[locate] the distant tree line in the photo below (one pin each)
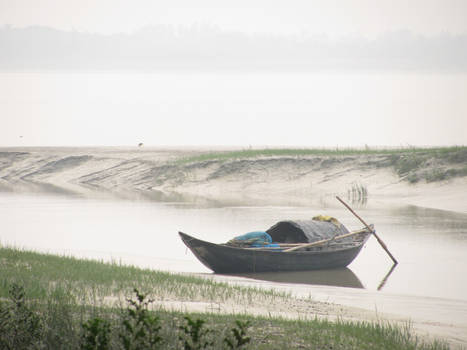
(205, 47)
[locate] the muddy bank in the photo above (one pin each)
(183, 175)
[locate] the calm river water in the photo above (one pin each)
(232, 108)
(430, 244)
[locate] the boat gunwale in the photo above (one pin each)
(265, 250)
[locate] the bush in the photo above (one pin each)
(96, 334)
(195, 336)
(407, 163)
(435, 175)
(20, 328)
(239, 335)
(140, 328)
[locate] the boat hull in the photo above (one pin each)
(226, 259)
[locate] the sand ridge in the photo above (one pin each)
(162, 174)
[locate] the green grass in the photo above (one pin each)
(64, 304)
(410, 163)
(302, 152)
(90, 280)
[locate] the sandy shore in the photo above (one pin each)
(423, 315)
(313, 180)
(156, 174)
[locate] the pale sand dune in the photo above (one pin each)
(154, 173)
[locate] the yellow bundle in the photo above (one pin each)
(328, 219)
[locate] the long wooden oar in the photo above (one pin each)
(368, 227)
(323, 241)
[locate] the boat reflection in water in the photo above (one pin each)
(342, 277)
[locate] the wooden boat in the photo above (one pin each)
(223, 258)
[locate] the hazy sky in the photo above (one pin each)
(196, 108)
(331, 17)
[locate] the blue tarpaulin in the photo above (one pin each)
(255, 239)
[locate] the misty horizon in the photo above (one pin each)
(208, 47)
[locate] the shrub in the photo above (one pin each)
(435, 175)
(195, 336)
(407, 163)
(96, 334)
(20, 328)
(239, 335)
(140, 328)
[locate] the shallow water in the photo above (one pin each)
(301, 109)
(430, 244)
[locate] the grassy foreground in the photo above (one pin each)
(55, 302)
